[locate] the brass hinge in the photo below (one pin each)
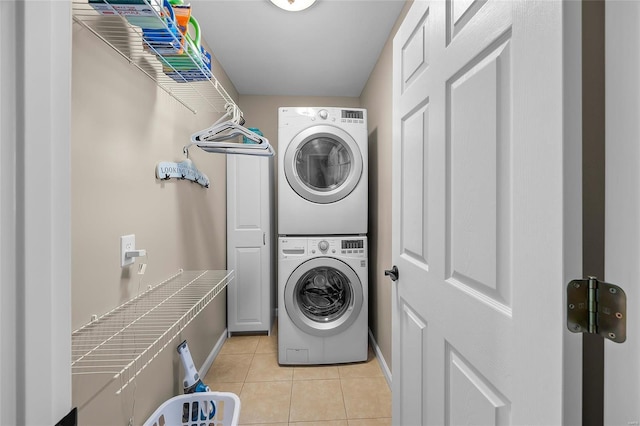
(597, 307)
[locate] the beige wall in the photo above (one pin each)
(377, 98)
(122, 126)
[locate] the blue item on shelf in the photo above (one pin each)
(189, 76)
(254, 130)
(186, 71)
(206, 58)
(166, 40)
(163, 42)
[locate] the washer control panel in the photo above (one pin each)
(354, 247)
(324, 246)
(293, 247)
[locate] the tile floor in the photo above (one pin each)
(333, 395)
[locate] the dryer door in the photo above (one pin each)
(323, 164)
(323, 296)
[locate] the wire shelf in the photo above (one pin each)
(112, 27)
(124, 341)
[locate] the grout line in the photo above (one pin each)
(290, 400)
(344, 402)
(253, 356)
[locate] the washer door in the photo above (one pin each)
(323, 164)
(323, 296)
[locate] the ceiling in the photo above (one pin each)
(329, 49)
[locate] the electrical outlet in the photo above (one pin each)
(127, 243)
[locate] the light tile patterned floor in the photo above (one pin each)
(333, 395)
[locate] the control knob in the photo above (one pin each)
(324, 114)
(323, 246)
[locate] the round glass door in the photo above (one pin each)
(323, 296)
(323, 164)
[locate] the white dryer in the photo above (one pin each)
(322, 300)
(322, 171)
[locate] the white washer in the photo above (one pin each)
(322, 171)
(322, 300)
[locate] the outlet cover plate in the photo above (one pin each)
(127, 243)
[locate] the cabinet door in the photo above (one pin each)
(249, 243)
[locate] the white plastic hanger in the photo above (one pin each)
(212, 139)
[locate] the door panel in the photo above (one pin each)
(478, 175)
(247, 305)
(413, 372)
(415, 52)
(471, 398)
(415, 128)
(480, 337)
(459, 14)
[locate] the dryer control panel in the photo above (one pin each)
(330, 115)
(352, 116)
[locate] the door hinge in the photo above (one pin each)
(597, 307)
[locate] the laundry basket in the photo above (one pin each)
(198, 409)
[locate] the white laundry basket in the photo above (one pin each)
(198, 409)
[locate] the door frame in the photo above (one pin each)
(622, 205)
(8, 218)
(593, 159)
(35, 211)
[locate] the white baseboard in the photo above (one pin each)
(381, 360)
(206, 365)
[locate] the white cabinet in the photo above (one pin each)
(250, 251)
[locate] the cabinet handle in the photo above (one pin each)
(264, 238)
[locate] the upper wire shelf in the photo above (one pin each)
(124, 341)
(112, 27)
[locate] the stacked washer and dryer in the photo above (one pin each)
(322, 227)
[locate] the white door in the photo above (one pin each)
(486, 213)
(622, 211)
(250, 296)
